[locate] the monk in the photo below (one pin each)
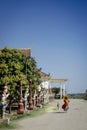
(65, 106)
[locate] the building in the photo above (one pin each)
(26, 51)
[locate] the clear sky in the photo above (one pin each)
(56, 32)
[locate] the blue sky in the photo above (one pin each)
(56, 32)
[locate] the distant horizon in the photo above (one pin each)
(76, 93)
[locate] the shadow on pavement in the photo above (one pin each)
(59, 112)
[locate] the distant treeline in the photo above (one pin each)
(77, 96)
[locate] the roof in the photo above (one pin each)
(26, 51)
(43, 75)
(55, 80)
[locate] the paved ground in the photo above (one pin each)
(74, 119)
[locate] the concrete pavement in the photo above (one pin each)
(74, 119)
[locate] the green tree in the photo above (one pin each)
(32, 73)
(55, 90)
(13, 63)
(11, 66)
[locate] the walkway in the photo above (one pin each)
(74, 119)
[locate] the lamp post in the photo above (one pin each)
(20, 104)
(30, 99)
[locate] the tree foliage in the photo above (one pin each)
(55, 90)
(13, 63)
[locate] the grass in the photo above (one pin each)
(7, 126)
(33, 113)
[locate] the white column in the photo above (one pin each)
(64, 89)
(61, 90)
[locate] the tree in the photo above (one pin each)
(55, 90)
(11, 66)
(32, 73)
(13, 63)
